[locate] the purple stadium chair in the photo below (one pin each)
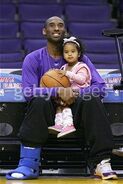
(40, 1)
(98, 58)
(10, 45)
(7, 12)
(104, 61)
(6, 1)
(87, 13)
(13, 65)
(106, 66)
(30, 12)
(100, 46)
(31, 30)
(89, 30)
(11, 57)
(8, 29)
(11, 60)
(85, 2)
(33, 44)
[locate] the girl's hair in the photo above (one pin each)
(79, 45)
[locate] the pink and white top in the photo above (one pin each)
(78, 76)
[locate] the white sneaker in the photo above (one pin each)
(118, 151)
(104, 170)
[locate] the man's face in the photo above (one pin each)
(54, 29)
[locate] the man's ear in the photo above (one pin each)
(44, 31)
(66, 34)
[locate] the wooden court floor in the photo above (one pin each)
(61, 180)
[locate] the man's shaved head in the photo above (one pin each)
(52, 19)
(54, 29)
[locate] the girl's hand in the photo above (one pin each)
(62, 73)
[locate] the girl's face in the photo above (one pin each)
(71, 53)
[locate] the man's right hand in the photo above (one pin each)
(66, 95)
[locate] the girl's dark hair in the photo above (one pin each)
(80, 49)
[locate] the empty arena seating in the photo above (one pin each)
(80, 2)
(11, 55)
(86, 20)
(11, 60)
(40, 1)
(100, 45)
(7, 12)
(33, 44)
(31, 30)
(10, 45)
(6, 1)
(40, 12)
(87, 13)
(102, 52)
(89, 30)
(104, 61)
(9, 30)
(31, 25)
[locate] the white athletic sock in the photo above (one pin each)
(67, 117)
(58, 119)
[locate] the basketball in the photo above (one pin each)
(52, 78)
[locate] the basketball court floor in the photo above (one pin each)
(61, 180)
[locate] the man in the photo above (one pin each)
(88, 111)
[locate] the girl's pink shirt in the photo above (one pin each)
(78, 76)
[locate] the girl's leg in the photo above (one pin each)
(55, 129)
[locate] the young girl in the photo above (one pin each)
(79, 76)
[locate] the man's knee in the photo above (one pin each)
(38, 101)
(90, 99)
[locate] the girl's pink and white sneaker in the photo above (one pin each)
(55, 129)
(66, 130)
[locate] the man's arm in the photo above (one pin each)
(97, 83)
(30, 82)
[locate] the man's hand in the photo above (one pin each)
(66, 95)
